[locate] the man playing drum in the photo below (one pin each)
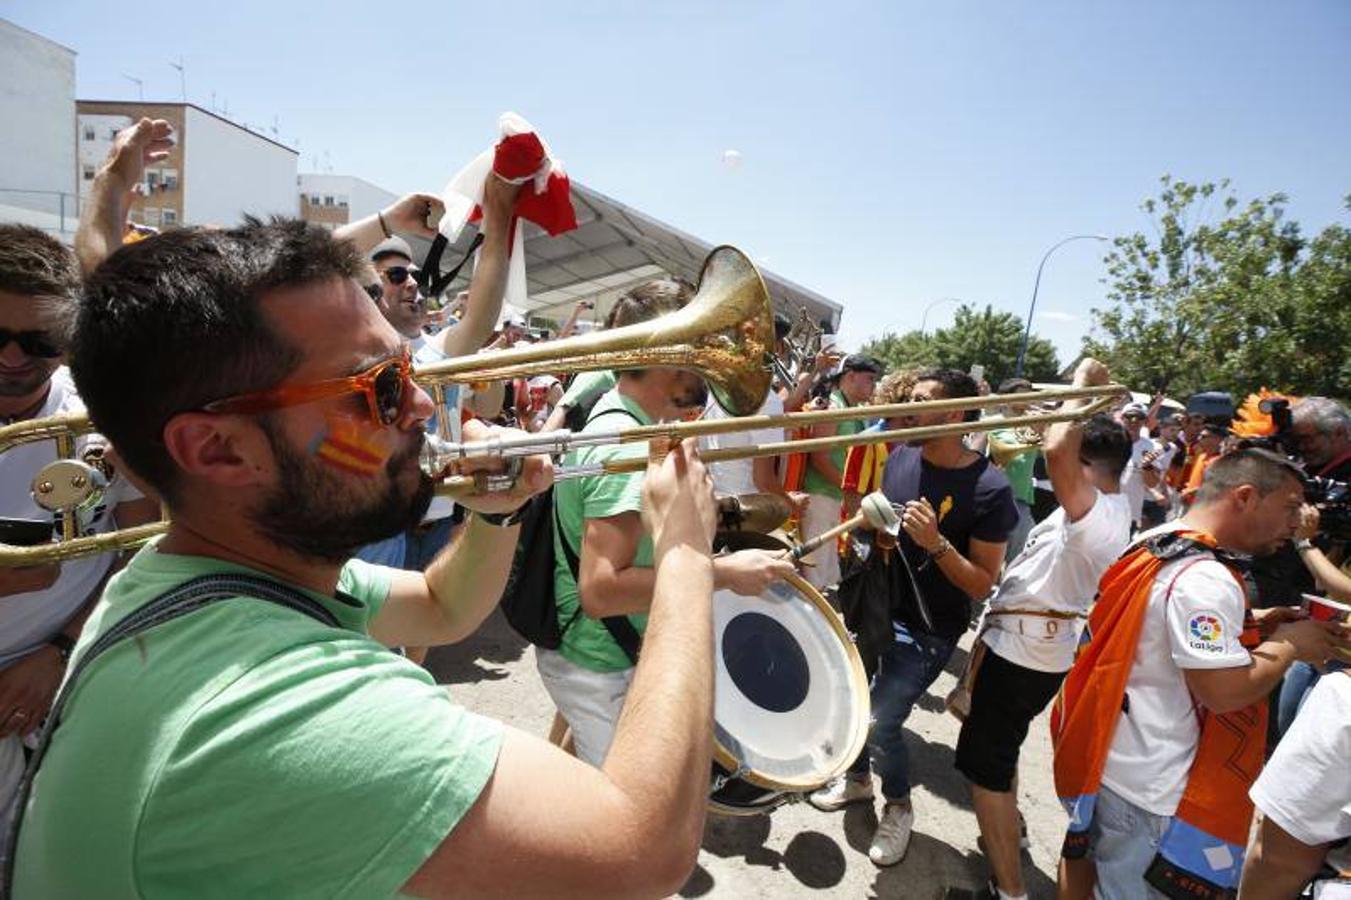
(1032, 625)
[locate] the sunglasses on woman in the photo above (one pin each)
(384, 384)
(33, 343)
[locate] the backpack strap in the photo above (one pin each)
(620, 628)
(180, 601)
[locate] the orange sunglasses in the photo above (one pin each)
(384, 385)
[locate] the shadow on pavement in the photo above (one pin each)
(813, 858)
(931, 765)
(930, 868)
(480, 656)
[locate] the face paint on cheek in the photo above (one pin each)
(352, 444)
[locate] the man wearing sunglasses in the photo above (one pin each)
(41, 607)
(403, 305)
(252, 747)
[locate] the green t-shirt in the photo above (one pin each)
(586, 641)
(247, 750)
(815, 482)
(1019, 469)
(587, 386)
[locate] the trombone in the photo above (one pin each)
(438, 455)
(725, 334)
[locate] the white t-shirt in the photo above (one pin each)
(1133, 479)
(1194, 621)
(426, 352)
(27, 621)
(1058, 570)
(1306, 786)
(738, 476)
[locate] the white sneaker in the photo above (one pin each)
(893, 834)
(841, 792)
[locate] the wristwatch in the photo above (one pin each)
(504, 520)
(943, 547)
(1303, 544)
(63, 643)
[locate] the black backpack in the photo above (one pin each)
(528, 600)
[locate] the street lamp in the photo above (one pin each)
(1027, 330)
(924, 318)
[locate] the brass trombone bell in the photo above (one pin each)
(725, 334)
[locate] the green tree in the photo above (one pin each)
(1232, 298)
(983, 337)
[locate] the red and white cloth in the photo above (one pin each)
(520, 156)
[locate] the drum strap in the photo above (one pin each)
(186, 598)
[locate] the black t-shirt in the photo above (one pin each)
(974, 501)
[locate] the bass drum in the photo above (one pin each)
(790, 697)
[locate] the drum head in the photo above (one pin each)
(791, 699)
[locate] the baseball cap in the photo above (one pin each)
(392, 246)
(857, 362)
(1134, 409)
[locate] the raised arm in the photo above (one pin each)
(489, 286)
(105, 210)
(1073, 490)
(556, 827)
(414, 214)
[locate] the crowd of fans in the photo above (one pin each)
(1149, 567)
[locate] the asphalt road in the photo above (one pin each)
(797, 851)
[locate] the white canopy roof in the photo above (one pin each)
(613, 248)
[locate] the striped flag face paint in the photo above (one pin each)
(352, 444)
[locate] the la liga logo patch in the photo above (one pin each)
(1204, 627)
(1205, 632)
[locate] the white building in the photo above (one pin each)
(332, 200)
(37, 138)
(217, 172)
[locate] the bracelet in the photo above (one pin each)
(383, 227)
(942, 550)
(1303, 545)
(503, 520)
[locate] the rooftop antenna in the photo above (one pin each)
(276, 125)
(182, 77)
(140, 86)
(213, 101)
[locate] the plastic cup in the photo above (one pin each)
(1322, 609)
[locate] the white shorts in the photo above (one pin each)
(590, 701)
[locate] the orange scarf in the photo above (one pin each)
(1201, 853)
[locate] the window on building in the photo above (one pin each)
(152, 216)
(112, 134)
(328, 199)
(88, 173)
(342, 202)
(89, 132)
(151, 180)
(168, 218)
(169, 178)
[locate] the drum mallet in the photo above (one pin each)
(875, 510)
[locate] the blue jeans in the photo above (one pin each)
(905, 671)
(1124, 839)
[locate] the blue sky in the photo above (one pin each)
(892, 153)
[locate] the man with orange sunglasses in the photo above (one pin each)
(233, 717)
